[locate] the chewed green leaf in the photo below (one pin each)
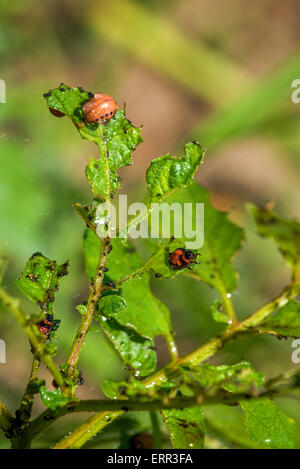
(267, 425)
(236, 378)
(168, 172)
(54, 399)
(285, 233)
(144, 313)
(131, 388)
(186, 427)
(119, 138)
(285, 321)
(40, 280)
(222, 239)
(68, 101)
(136, 352)
(110, 305)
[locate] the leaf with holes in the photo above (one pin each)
(186, 427)
(40, 281)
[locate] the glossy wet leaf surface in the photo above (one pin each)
(285, 233)
(40, 280)
(54, 399)
(168, 172)
(186, 427)
(284, 322)
(137, 352)
(117, 138)
(267, 425)
(143, 312)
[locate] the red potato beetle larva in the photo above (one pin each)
(100, 108)
(181, 258)
(46, 325)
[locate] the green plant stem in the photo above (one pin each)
(86, 320)
(111, 409)
(24, 412)
(92, 426)
(38, 347)
(5, 417)
(156, 432)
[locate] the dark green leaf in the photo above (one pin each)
(218, 313)
(267, 425)
(284, 322)
(137, 352)
(186, 427)
(167, 172)
(285, 233)
(222, 239)
(236, 378)
(144, 313)
(40, 280)
(111, 305)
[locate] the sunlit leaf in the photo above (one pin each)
(285, 233)
(137, 352)
(167, 172)
(54, 399)
(267, 425)
(186, 427)
(143, 312)
(284, 322)
(40, 280)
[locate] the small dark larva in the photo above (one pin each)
(100, 108)
(181, 258)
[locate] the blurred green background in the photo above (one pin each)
(209, 70)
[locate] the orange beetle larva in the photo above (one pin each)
(100, 108)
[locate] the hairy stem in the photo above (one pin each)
(156, 432)
(86, 320)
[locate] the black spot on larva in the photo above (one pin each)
(46, 95)
(80, 89)
(96, 165)
(90, 95)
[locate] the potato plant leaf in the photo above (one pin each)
(222, 239)
(285, 233)
(267, 425)
(54, 399)
(186, 427)
(137, 352)
(131, 388)
(117, 138)
(168, 172)
(143, 312)
(236, 378)
(40, 280)
(285, 321)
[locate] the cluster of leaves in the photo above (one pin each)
(124, 306)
